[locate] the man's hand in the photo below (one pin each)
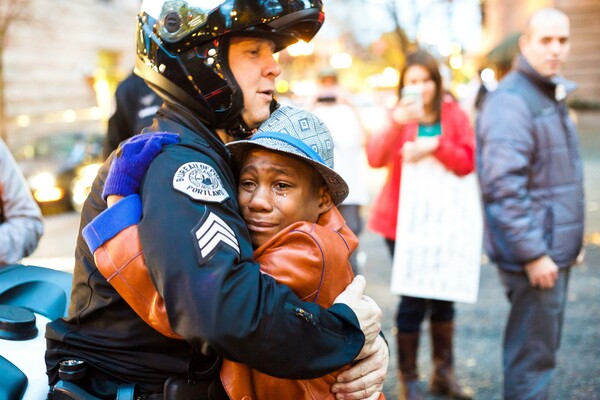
(367, 311)
(364, 380)
(542, 272)
(580, 257)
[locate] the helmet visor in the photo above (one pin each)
(177, 19)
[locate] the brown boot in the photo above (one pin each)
(443, 381)
(407, 344)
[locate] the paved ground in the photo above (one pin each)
(480, 325)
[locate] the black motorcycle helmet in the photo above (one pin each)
(182, 48)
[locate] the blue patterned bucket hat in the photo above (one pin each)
(300, 133)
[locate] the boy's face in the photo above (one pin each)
(254, 68)
(276, 190)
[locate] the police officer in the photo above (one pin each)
(213, 66)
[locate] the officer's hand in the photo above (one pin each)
(132, 160)
(364, 380)
(365, 308)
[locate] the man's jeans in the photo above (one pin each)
(532, 335)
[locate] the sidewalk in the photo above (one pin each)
(478, 341)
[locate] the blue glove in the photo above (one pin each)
(132, 160)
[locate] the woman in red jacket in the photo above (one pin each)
(429, 122)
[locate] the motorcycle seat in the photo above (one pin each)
(42, 290)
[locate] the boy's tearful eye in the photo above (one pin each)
(281, 189)
(248, 185)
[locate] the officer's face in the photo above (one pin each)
(254, 68)
(546, 43)
(276, 190)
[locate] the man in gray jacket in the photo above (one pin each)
(530, 173)
(20, 217)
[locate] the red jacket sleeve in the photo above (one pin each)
(382, 148)
(457, 147)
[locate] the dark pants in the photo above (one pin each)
(412, 310)
(532, 335)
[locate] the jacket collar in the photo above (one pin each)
(195, 129)
(556, 87)
(332, 219)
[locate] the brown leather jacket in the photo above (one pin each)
(312, 260)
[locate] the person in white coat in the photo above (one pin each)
(333, 106)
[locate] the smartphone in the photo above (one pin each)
(415, 92)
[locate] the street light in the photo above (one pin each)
(301, 48)
(340, 60)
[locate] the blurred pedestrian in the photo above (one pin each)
(481, 84)
(195, 242)
(21, 225)
(135, 107)
(334, 107)
(425, 122)
(530, 174)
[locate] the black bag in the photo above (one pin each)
(180, 388)
(205, 385)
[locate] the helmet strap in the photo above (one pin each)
(240, 130)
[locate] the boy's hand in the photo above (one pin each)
(132, 160)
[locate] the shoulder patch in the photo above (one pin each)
(211, 233)
(200, 181)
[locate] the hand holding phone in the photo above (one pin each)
(410, 106)
(414, 93)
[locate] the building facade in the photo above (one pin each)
(505, 17)
(62, 61)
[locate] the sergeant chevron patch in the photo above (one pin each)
(211, 233)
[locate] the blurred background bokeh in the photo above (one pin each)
(61, 60)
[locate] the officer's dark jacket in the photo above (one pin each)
(214, 293)
(530, 171)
